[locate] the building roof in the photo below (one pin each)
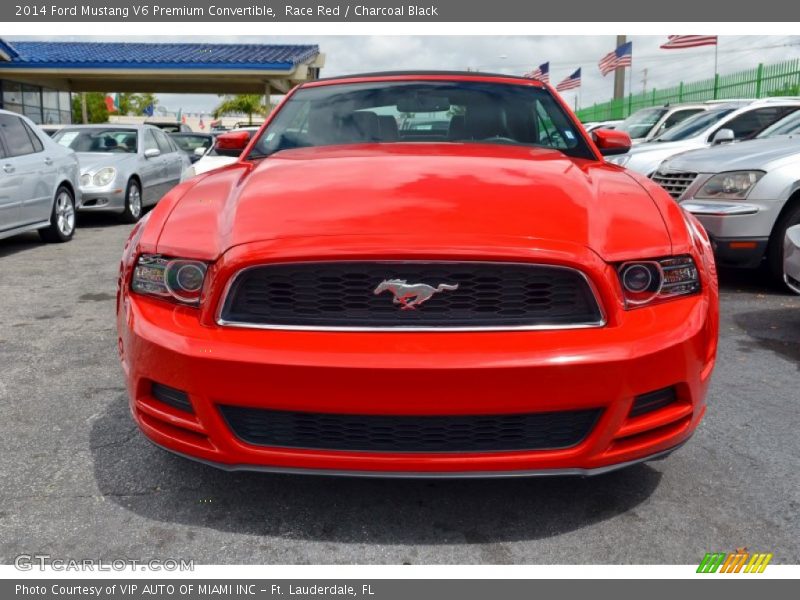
(137, 55)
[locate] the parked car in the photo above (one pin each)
(219, 155)
(51, 130)
(746, 194)
(38, 181)
(791, 264)
(648, 123)
(124, 168)
(589, 127)
(170, 126)
(348, 299)
(721, 124)
(194, 145)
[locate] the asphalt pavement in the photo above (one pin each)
(79, 480)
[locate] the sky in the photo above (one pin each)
(506, 54)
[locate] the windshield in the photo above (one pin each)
(98, 140)
(189, 143)
(694, 125)
(785, 126)
(424, 112)
(639, 124)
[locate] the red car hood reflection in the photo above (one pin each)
(425, 190)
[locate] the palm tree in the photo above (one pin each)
(249, 104)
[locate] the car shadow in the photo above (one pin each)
(19, 243)
(774, 329)
(160, 486)
(27, 241)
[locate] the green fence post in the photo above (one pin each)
(716, 86)
(680, 92)
(653, 101)
(759, 74)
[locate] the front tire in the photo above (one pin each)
(133, 203)
(775, 249)
(62, 217)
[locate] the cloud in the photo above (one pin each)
(511, 55)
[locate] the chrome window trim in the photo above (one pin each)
(423, 329)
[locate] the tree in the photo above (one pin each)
(95, 108)
(248, 104)
(97, 112)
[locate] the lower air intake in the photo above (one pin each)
(379, 433)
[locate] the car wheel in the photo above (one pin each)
(775, 248)
(62, 217)
(133, 203)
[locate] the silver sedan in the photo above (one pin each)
(38, 181)
(791, 258)
(746, 194)
(124, 168)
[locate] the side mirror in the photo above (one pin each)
(723, 136)
(201, 151)
(152, 153)
(232, 143)
(611, 141)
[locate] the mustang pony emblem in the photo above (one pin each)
(411, 295)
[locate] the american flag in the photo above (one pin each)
(621, 57)
(570, 83)
(676, 42)
(542, 73)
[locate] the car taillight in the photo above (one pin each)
(647, 281)
(171, 278)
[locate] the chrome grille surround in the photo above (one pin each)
(223, 318)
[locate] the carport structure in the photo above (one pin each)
(182, 68)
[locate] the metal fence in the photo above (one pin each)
(781, 79)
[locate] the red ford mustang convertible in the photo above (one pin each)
(419, 274)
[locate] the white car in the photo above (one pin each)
(216, 157)
(791, 258)
(39, 181)
(648, 123)
(589, 127)
(721, 124)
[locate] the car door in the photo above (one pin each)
(151, 168)
(44, 161)
(173, 161)
(9, 196)
(19, 174)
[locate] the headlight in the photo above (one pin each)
(104, 176)
(86, 179)
(647, 281)
(729, 186)
(620, 159)
(172, 278)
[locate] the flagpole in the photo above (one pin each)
(716, 51)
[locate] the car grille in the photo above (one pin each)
(379, 433)
(674, 182)
(340, 295)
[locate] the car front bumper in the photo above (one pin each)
(110, 199)
(458, 373)
(739, 231)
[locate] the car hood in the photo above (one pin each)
(432, 191)
(752, 154)
(92, 161)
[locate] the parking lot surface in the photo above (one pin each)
(80, 481)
